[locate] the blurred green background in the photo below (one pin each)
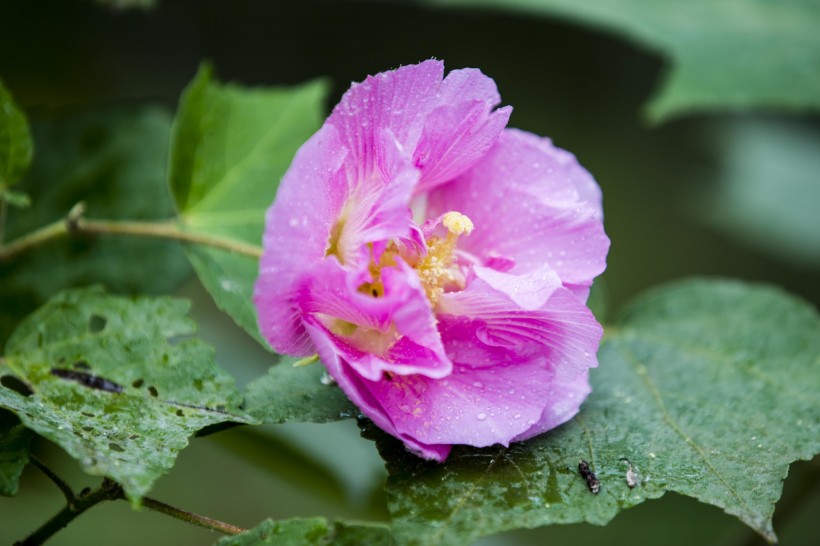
(730, 193)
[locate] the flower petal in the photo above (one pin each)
(461, 129)
(454, 138)
(472, 406)
(375, 208)
(297, 227)
(398, 101)
(395, 333)
(530, 203)
(469, 84)
(353, 386)
(514, 354)
(563, 328)
(565, 399)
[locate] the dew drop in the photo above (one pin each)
(481, 416)
(511, 391)
(517, 416)
(478, 384)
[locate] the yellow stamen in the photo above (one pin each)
(435, 270)
(457, 223)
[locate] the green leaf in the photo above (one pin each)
(707, 387)
(14, 451)
(312, 532)
(230, 147)
(725, 54)
(303, 394)
(16, 148)
(768, 190)
(115, 160)
(114, 384)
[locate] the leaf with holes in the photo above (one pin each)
(16, 148)
(312, 532)
(708, 388)
(112, 382)
(14, 446)
(230, 147)
(303, 394)
(725, 54)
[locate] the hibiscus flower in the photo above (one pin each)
(437, 262)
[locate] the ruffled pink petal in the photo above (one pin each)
(564, 401)
(469, 84)
(531, 203)
(353, 386)
(397, 101)
(375, 208)
(297, 227)
(505, 316)
(395, 333)
(473, 406)
(454, 138)
(444, 125)
(317, 199)
(461, 129)
(513, 351)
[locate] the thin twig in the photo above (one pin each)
(75, 224)
(68, 493)
(196, 519)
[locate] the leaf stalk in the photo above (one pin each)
(74, 224)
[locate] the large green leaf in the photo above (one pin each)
(230, 147)
(725, 54)
(14, 445)
(709, 388)
(113, 159)
(302, 394)
(114, 385)
(312, 532)
(16, 147)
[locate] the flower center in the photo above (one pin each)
(436, 270)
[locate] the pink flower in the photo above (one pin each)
(438, 263)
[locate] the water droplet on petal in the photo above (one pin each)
(478, 384)
(481, 416)
(517, 416)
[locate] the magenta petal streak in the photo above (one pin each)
(438, 263)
